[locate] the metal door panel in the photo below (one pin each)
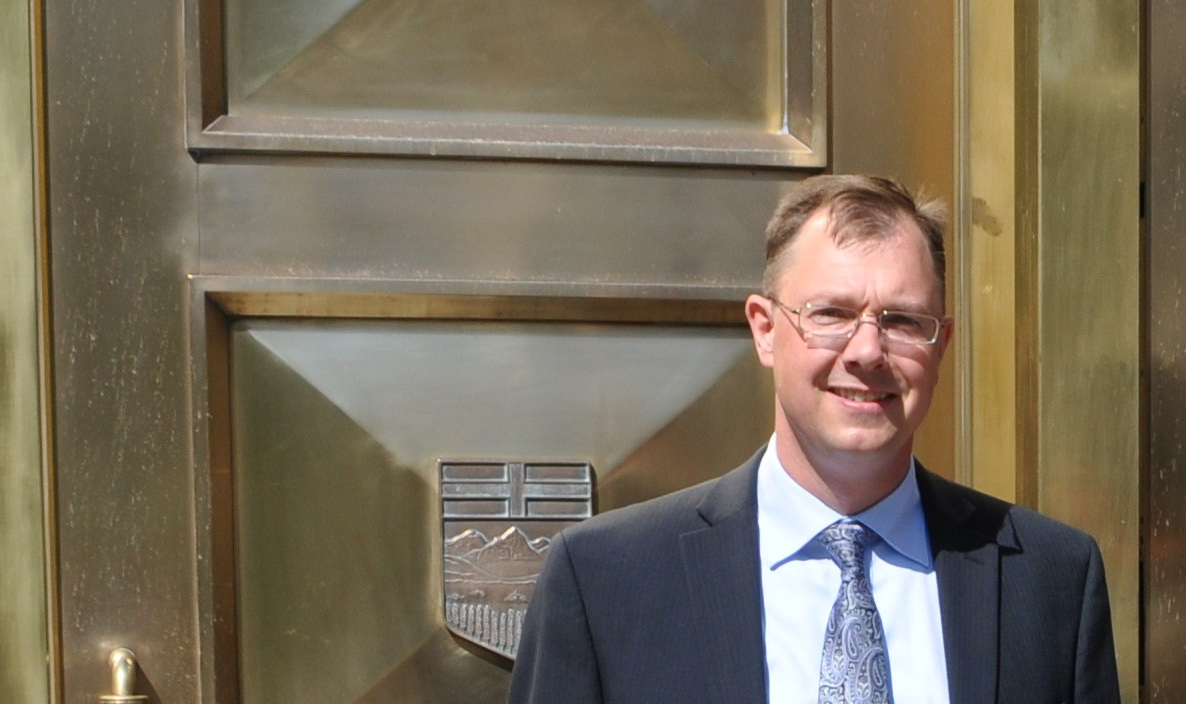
(338, 429)
(534, 61)
(264, 35)
(120, 203)
(694, 82)
(504, 222)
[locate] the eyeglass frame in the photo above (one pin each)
(861, 318)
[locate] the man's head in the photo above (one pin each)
(862, 208)
(851, 323)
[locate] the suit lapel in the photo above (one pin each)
(968, 601)
(965, 542)
(721, 569)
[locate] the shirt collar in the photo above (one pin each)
(789, 517)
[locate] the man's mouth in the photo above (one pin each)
(861, 395)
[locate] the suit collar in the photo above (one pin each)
(722, 573)
(950, 505)
(734, 493)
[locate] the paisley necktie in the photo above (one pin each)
(855, 665)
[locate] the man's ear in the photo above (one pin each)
(759, 313)
(945, 334)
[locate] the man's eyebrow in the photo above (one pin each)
(831, 298)
(909, 307)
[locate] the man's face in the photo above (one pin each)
(862, 398)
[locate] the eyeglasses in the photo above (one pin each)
(840, 323)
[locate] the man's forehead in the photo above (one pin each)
(812, 261)
(820, 235)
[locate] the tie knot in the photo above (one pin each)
(845, 541)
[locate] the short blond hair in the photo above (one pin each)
(861, 208)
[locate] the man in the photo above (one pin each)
(830, 567)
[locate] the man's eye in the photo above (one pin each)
(832, 315)
(902, 322)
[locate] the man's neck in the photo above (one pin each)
(848, 483)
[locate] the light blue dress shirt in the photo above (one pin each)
(800, 581)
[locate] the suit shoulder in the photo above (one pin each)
(651, 531)
(1012, 525)
(1038, 532)
(674, 512)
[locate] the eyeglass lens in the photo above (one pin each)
(837, 321)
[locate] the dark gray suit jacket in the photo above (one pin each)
(661, 603)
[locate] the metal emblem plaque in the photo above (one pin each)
(498, 521)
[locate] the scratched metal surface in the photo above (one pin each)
(121, 201)
(1165, 559)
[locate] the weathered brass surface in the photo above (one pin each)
(541, 228)
(24, 621)
(1050, 224)
(121, 195)
(143, 468)
(339, 545)
(526, 60)
(685, 81)
(1165, 521)
(311, 303)
(987, 236)
(1079, 292)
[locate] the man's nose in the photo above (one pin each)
(866, 346)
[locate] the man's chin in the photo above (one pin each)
(871, 443)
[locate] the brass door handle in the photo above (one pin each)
(123, 679)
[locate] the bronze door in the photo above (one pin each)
(288, 286)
